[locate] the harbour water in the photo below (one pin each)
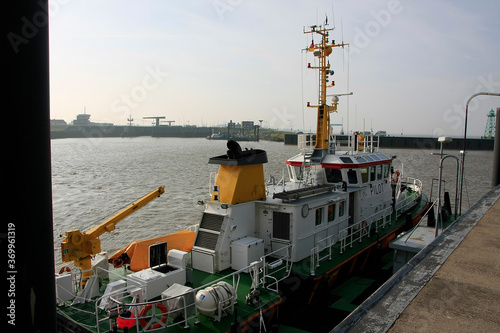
(94, 178)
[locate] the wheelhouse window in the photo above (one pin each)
(341, 208)
(298, 172)
(352, 176)
(331, 212)
(378, 169)
(364, 175)
(372, 173)
(387, 169)
(333, 175)
(319, 216)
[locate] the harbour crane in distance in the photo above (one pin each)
(157, 119)
(80, 246)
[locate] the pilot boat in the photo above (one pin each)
(264, 251)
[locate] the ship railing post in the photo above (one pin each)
(318, 251)
(311, 264)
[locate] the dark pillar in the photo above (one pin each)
(27, 231)
(496, 154)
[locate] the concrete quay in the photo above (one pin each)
(452, 285)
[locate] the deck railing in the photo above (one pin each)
(361, 229)
(408, 202)
(276, 266)
(347, 237)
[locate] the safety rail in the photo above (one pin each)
(348, 236)
(270, 269)
(368, 144)
(361, 229)
(411, 199)
(317, 249)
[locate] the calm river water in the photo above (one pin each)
(94, 178)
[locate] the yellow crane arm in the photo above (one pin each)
(79, 246)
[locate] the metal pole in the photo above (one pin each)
(439, 191)
(465, 140)
(496, 154)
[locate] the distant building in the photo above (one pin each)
(58, 122)
(247, 126)
(83, 119)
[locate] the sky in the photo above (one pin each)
(411, 65)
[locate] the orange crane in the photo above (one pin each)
(80, 246)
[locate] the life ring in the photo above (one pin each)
(64, 269)
(395, 176)
(144, 313)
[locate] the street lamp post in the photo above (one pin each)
(465, 140)
(442, 139)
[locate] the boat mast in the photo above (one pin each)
(322, 51)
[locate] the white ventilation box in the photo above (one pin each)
(246, 250)
(178, 258)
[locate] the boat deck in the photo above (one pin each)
(345, 258)
(84, 315)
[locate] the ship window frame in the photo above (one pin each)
(297, 172)
(318, 216)
(365, 175)
(373, 175)
(333, 175)
(346, 159)
(387, 169)
(342, 208)
(331, 212)
(350, 178)
(379, 171)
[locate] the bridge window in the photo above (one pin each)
(352, 176)
(372, 173)
(297, 172)
(364, 175)
(379, 171)
(333, 175)
(387, 169)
